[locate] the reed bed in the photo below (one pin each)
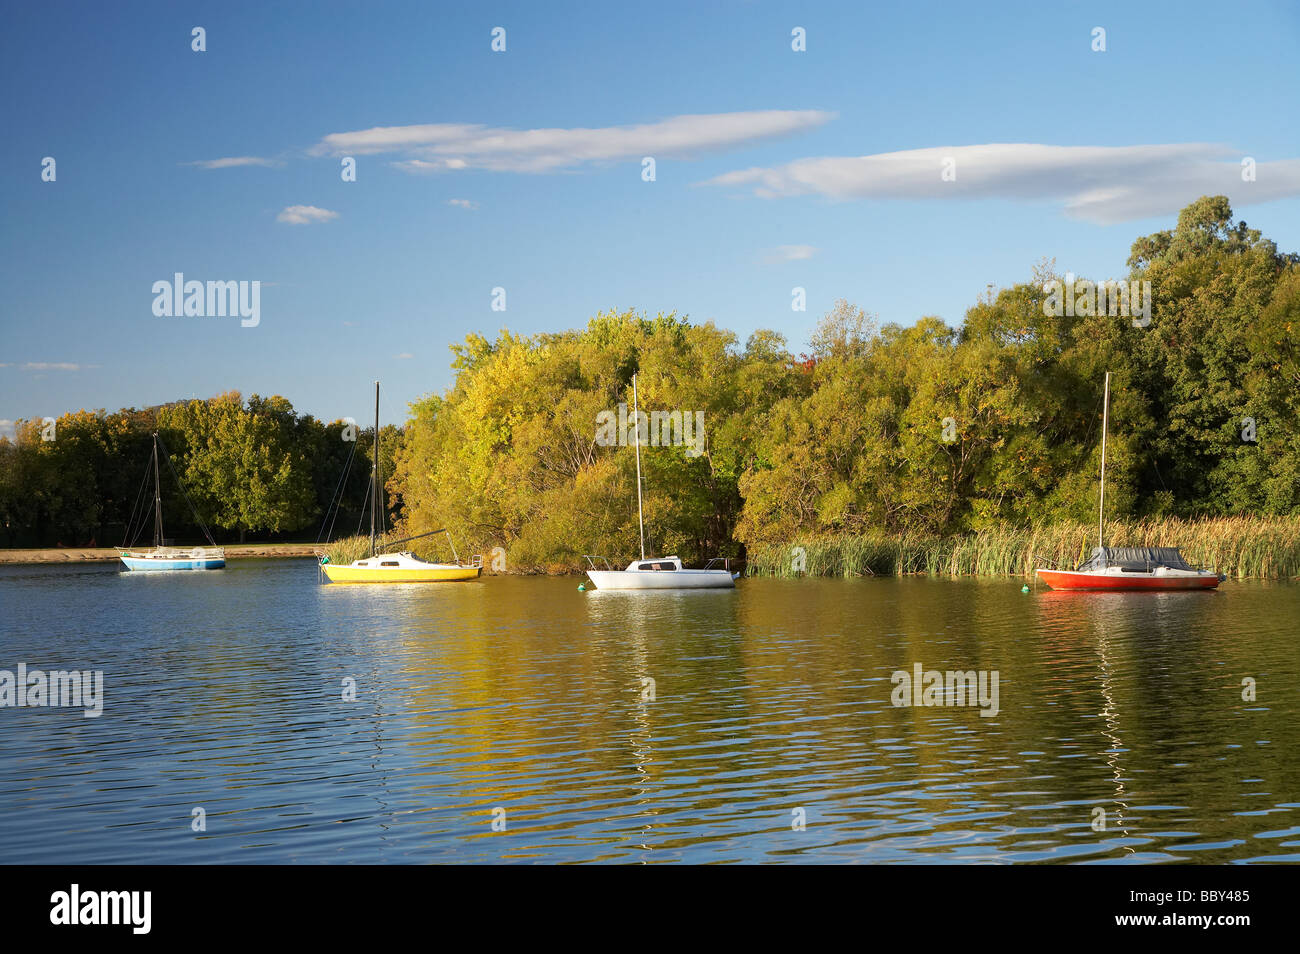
(1241, 547)
(347, 549)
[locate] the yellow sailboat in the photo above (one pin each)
(397, 566)
(401, 567)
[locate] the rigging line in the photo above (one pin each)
(337, 506)
(142, 516)
(126, 530)
(364, 502)
(127, 539)
(339, 509)
(347, 465)
(1158, 477)
(1092, 423)
(336, 498)
(130, 522)
(202, 526)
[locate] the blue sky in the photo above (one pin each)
(767, 195)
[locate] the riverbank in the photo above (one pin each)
(105, 554)
(1241, 547)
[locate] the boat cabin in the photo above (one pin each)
(659, 563)
(1135, 559)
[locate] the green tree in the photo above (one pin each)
(242, 467)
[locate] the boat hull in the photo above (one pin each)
(1083, 580)
(662, 580)
(431, 574)
(140, 564)
(165, 559)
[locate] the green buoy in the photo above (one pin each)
(582, 587)
(1025, 588)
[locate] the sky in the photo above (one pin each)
(775, 168)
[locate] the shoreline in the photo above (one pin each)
(236, 551)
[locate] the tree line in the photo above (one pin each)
(900, 429)
(921, 429)
(248, 467)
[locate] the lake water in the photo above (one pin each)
(771, 706)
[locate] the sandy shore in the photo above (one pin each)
(101, 554)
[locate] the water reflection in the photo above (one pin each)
(528, 695)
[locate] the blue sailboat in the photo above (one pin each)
(160, 557)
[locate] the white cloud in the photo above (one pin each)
(305, 215)
(463, 203)
(439, 147)
(404, 356)
(1102, 184)
(54, 366)
(232, 162)
(790, 253)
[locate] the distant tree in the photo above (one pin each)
(242, 467)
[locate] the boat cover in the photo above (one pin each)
(1136, 558)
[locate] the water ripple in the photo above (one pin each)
(351, 724)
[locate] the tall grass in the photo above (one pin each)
(347, 549)
(1242, 547)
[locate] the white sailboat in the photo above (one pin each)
(655, 573)
(160, 557)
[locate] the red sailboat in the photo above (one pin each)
(1128, 568)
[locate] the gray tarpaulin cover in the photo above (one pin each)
(1136, 558)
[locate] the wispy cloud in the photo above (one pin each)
(789, 253)
(1102, 184)
(463, 203)
(440, 147)
(55, 366)
(404, 356)
(305, 215)
(232, 162)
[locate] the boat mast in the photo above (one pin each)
(636, 417)
(1105, 421)
(157, 498)
(374, 476)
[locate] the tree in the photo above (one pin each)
(242, 468)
